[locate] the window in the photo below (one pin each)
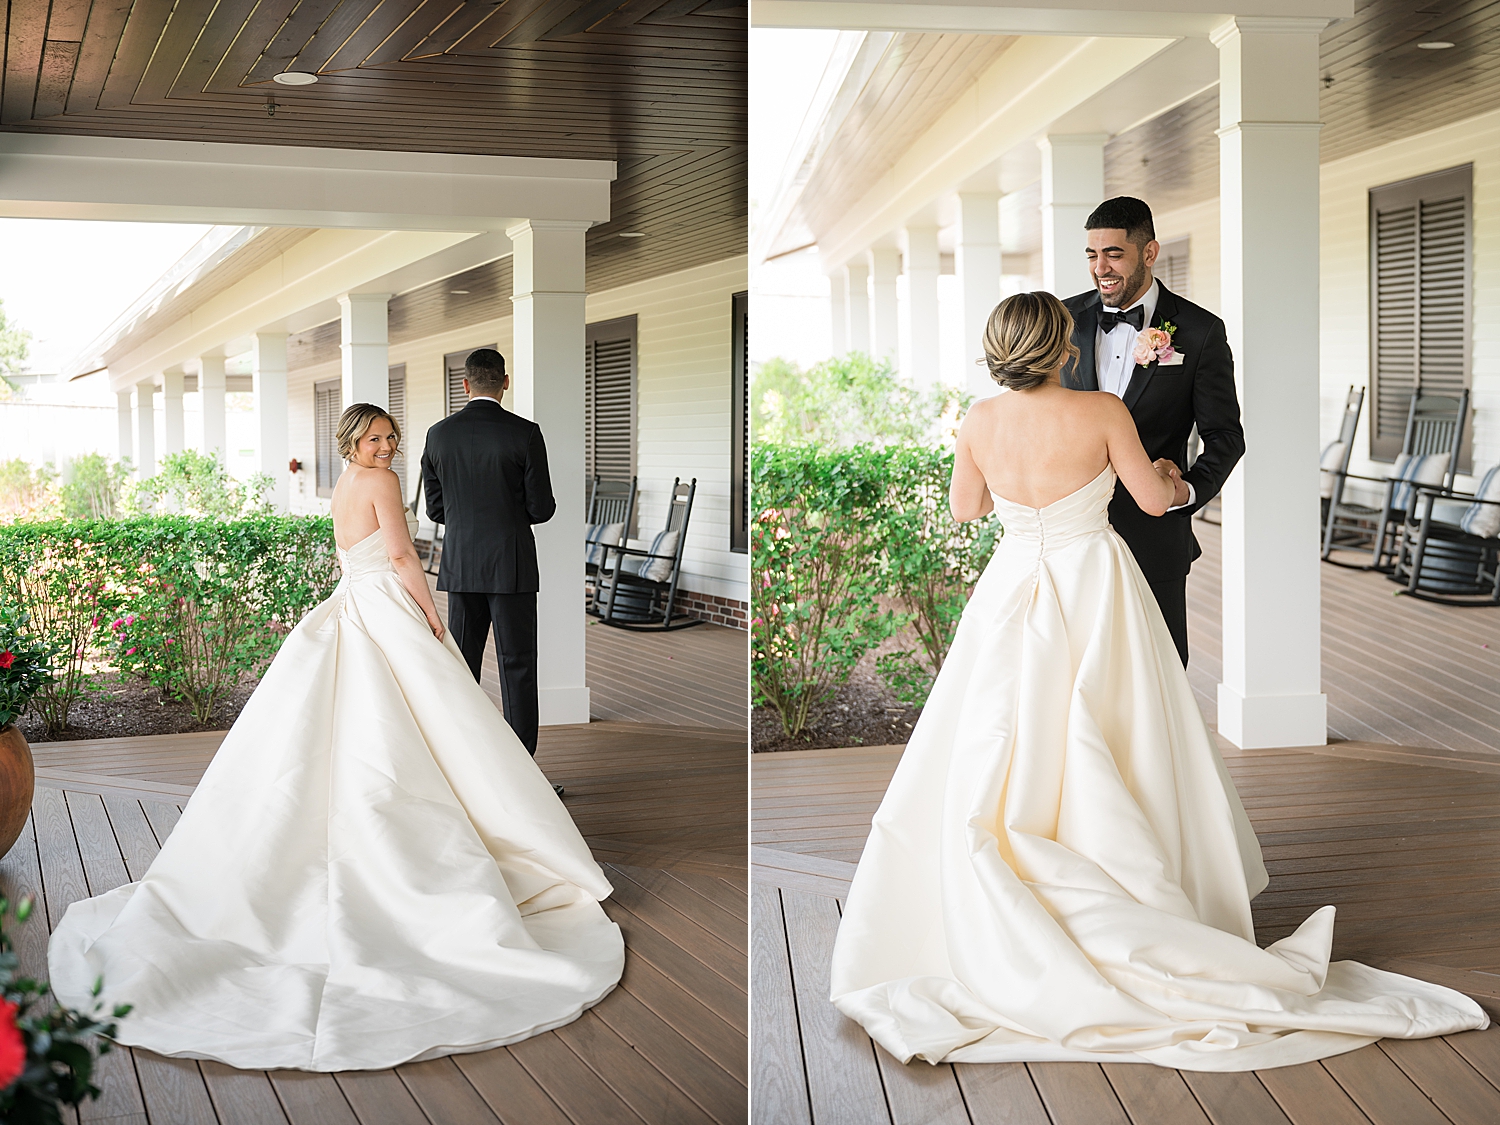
(397, 408)
(328, 404)
(609, 400)
(739, 429)
(1420, 297)
(1172, 267)
(454, 398)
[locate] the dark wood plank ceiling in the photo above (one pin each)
(1379, 86)
(658, 85)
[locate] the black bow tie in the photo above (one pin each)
(1135, 317)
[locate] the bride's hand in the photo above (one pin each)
(1167, 469)
(435, 625)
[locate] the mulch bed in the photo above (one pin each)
(862, 713)
(118, 708)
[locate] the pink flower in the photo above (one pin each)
(12, 1046)
(7, 658)
(169, 640)
(130, 620)
(130, 652)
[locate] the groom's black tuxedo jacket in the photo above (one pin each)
(1165, 402)
(484, 471)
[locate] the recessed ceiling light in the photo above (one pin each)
(459, 292)
(631, 234)
(294, 78)
(1435, 45)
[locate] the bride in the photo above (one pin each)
(1061, 868)
(373, 870)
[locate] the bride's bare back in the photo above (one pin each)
(1035, 447)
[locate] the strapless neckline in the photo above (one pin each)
(357, 546)
(1060, 500)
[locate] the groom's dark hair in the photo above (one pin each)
(485, 370)
(1126, 213)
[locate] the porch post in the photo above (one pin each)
(920, 328)
(171, 385)
(125, 423)
(145, 429)
(363, 343)
(211, 395)
(269, 380)
(857, 305)
(1072, 186)
(838, 316)
(977, 261)
(885, 265)
(1268, 171)
(547, 384)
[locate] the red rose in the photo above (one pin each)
(7, 658)
(12, 1049)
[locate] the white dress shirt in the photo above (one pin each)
(1114, 350)
(1114, 358)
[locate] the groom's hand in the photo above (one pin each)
(1168, 468)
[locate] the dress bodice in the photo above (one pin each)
(1084, 511)
(368, 556)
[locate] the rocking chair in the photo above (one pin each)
(611, 511)
(1428, 458)
(636, 589)
(1451, 553)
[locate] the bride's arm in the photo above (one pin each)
(393, 530)
(968, 495)
(1152, 485)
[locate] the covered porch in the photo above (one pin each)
(1393, 822)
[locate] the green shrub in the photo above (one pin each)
(815, 573)
(847, 401)
(188, 605)
(24, 665)
(26, 493)
(96, 488)
(191, 483)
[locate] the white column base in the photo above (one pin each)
(1266, 721)
(563, 706)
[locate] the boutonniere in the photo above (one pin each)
(1154, 345)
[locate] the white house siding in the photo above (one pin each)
(682, 404)
(1345, 272)
(1199, 224)
(683, 330)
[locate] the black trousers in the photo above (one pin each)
(1171, 595)
(513, 618)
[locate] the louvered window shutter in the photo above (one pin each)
(328, 404)
(1420, 297)
(609, 400)
(397, 408)
(739, 452)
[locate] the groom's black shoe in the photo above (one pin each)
(558, 789)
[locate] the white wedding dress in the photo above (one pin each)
(372, 870)
(1061, 868)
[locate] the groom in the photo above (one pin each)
(484, 471)
(1193, 384)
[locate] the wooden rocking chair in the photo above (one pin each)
(1450, 554)
(636, 589)
(611, 511)
(1430, 447)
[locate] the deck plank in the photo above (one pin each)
(777, 1072)
(1153, 1095)
(1441, 1073)
(1075, 1093)
(444, 1094)
(1381, 1090)
(568, 1081)
(1308, 1095)
(639, 1084)
(510, 1092)
(241, 1097)
(1234, 1099)
(1001, 1094)
(379, 1097)
(843, 1079)
(920, 1094)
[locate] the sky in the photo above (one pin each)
(64, 281)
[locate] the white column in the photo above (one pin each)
(269, 382)
(547, 384)
(919, 327)
(857, 305)
(1072, 186)
(1268, 176)
(145, 429)
(838, 317)
(885, 267)
(976, 260)
(124, 404)
(364, 345)
(171, 385)
(211, 396)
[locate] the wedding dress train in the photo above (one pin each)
(1061, 868)
(372, 870)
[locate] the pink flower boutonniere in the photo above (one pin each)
(1154, 345)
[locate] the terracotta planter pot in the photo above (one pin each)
(17, 780)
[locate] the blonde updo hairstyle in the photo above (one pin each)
(1028, 337)
(355, 422)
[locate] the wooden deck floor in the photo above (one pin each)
(1396, 670)
(1402, 841)
(663, 810)
(698, 676)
